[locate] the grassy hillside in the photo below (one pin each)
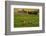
(24, 20)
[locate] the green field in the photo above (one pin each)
(26, 20)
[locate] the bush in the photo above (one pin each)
(35, 12)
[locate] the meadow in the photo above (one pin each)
(26, 20)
